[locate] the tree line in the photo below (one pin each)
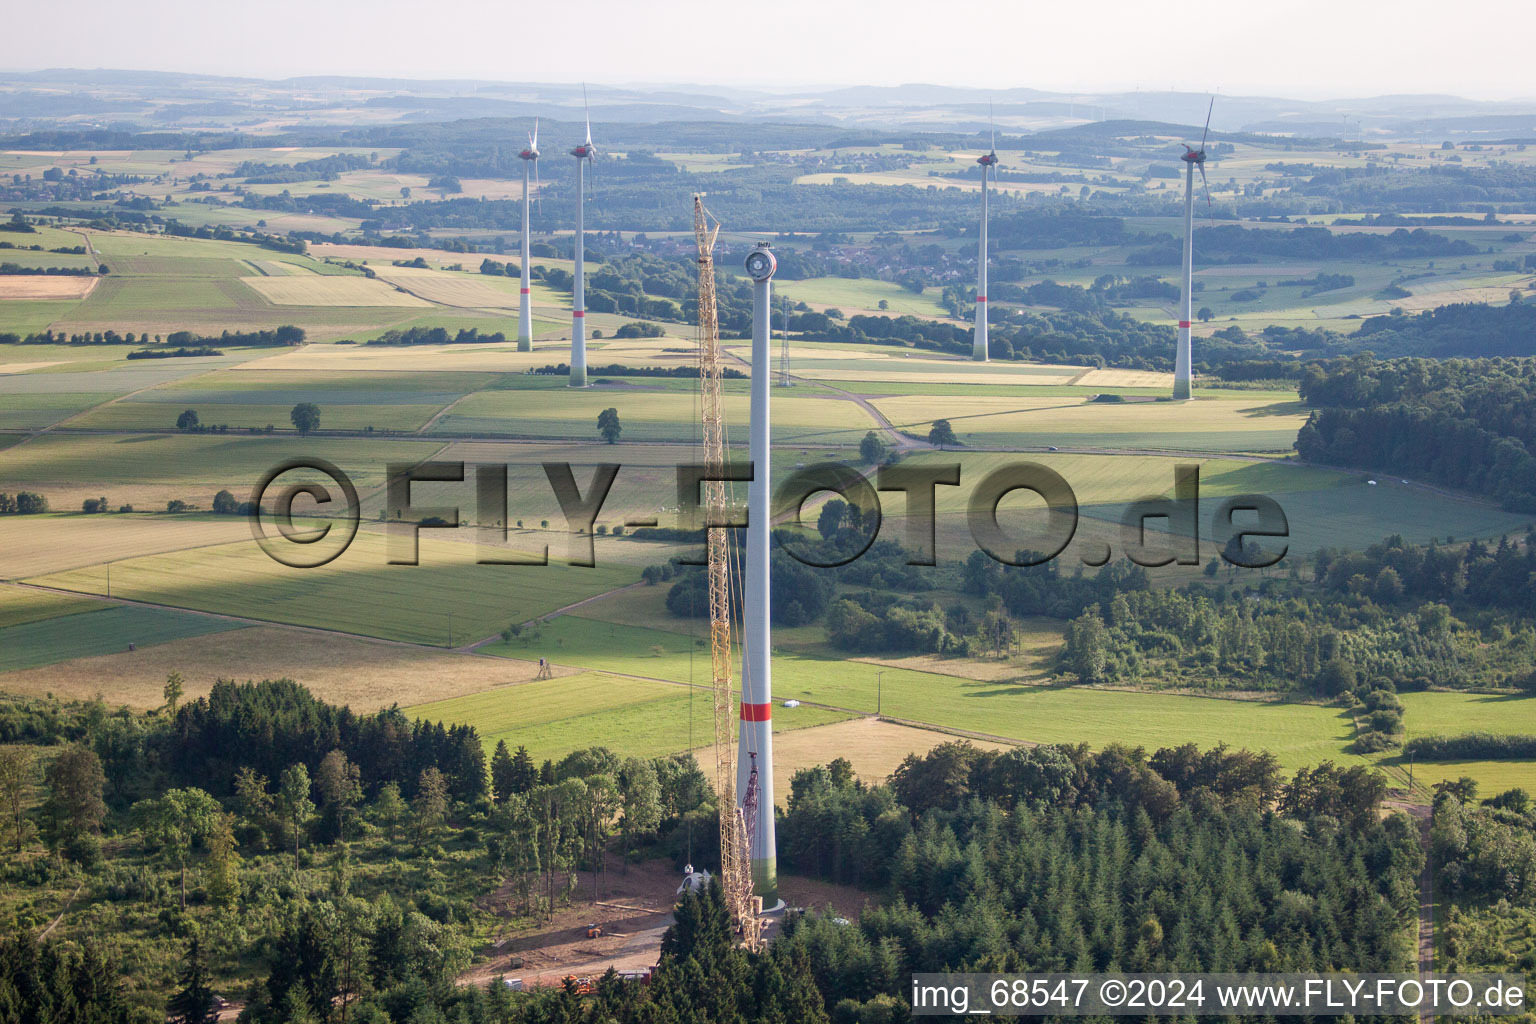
(1462, 423)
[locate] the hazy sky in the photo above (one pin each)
(1302, 48)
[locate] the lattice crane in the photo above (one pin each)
(735, 870)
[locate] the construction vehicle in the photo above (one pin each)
(582, 986)
(735, 871)
(593, 931)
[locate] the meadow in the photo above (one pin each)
(635, 717)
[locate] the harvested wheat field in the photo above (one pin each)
(476, 292)
(1124, 379)
(364, 674)
(46, 286)
(330, 290)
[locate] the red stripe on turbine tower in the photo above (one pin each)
(523, 290)
(1183, 323)
(981, 298)
(577, 313)
(756, 712)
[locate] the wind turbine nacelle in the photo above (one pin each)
(989, 160)
(760, 263)
(583, 152)
(1194, 156)
(529, 154)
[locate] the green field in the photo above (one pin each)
(64, 637)
(446, 600)
(861, 294)
(1447, 714)
(637, 718)
(142, 414)
(18, 606)
(226, 460)
(1299, 734)
(1255, 425)
(645, 416)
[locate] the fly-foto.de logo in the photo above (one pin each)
(1154, 531)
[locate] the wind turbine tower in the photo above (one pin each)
(1192, 158)
(530, 157)
(584, 154)
(979, 346)
(754, 772)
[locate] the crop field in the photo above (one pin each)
(646, 484)
(1023, 711)
(46, 288)
(383, 257)
(147, 471)
(19, 605)
(331, 290)
(188, 460)
(1232, 426)
(246, 383)
(475, 358)
(473, 291)
(363, 674)
(32, 411)
(1115, 379)
(1446, 713)
(645, 416)
(884, 363)
(29, 316)
(1355, 515)
(46, 641)
(159, 412)
(863, 295)
(51, 543)
(874, 747)
(636, 717)
(447, 600)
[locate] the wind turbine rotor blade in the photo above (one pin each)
(1208, 111)
(1204, 184)
(533, 140)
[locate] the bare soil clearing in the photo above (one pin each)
(634, 912)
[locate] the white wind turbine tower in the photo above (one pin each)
(1192, 158)
(530, 158)
(979, 345)
(584, 154)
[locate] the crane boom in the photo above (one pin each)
(735, 870)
